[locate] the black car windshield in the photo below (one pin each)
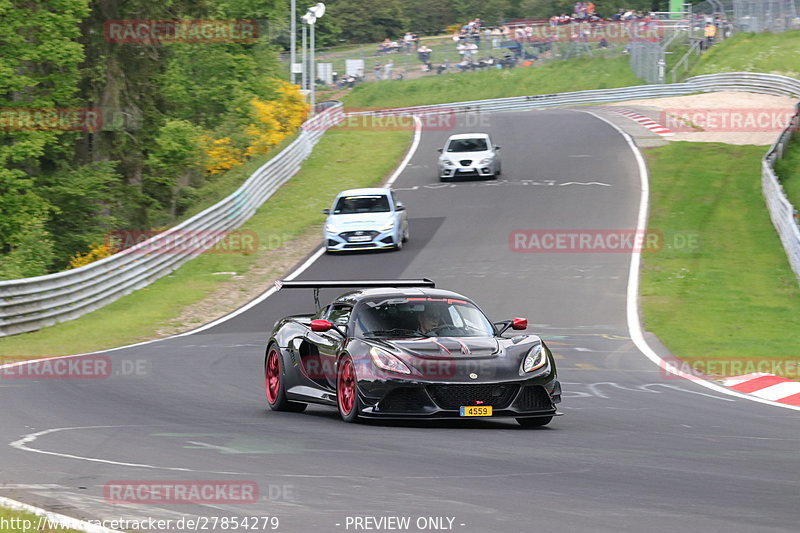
(420, 317)
(467, 145)
(377, 203)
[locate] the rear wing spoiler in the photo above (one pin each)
(346, 284)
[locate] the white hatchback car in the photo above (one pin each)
(469, 155)
(365, 219)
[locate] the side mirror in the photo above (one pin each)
(496, 147)
(321, 326)
(516, 323)
(439, 150)
(399, 207)
(326, 211)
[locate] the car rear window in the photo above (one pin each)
(467, 145)
(378, 203)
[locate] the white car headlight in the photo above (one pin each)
(446, 162)
(386, 227)
(487, 160)
(330, 228)
(386, 361)
(536, 359)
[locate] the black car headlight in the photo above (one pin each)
(535, 359)
(386, 361)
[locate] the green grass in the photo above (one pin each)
(772, 53)
(17, 520)
(214, 190)
(788, 170)
(734, 295)
(341, 160)
(558, 76)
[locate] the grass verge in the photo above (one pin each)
(341, 160)
(26, 523)
(733, 297)
(557, 76)
(772, 53)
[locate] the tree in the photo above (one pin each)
(39, 60)
(363, 21)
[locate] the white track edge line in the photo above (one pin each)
(634, 322)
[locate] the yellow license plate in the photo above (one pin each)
(476, 410)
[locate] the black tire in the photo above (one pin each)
(273, 383)
(534, 422)
(407, 234)
(349, 404)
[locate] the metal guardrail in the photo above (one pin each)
(781, 210)
(31, 303)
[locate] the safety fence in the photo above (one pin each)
(32, 303)
(781, 210)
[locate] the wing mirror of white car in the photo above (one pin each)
(326, 211)
(399, 207)
(496, 147)
(439, 150)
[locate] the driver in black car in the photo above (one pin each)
(430, 320)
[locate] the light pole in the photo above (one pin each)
(293, 43)
(304, 71)
(310, 18)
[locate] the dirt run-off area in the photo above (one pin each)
(727, 117)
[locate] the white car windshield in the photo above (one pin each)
(467, 145)
(377, 203)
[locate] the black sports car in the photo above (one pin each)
(403, 349)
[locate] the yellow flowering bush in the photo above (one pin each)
(276, 119)
(222, 155)
(95, 253)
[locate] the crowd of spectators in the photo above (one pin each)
(409, 42)
(480, 47)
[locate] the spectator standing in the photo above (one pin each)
(424, 53)
(387, 70)
(408, 41)
(377, 69)
(471, 51)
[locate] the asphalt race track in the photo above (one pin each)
(636, 450)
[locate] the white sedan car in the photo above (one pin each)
(365, 219)
(469, 155)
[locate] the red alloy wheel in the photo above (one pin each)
(273, 378)
(346, 390)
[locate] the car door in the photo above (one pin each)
(401, 217)
(330, 342)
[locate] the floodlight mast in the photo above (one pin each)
(314, 12)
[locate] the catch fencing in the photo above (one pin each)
(32, 303)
